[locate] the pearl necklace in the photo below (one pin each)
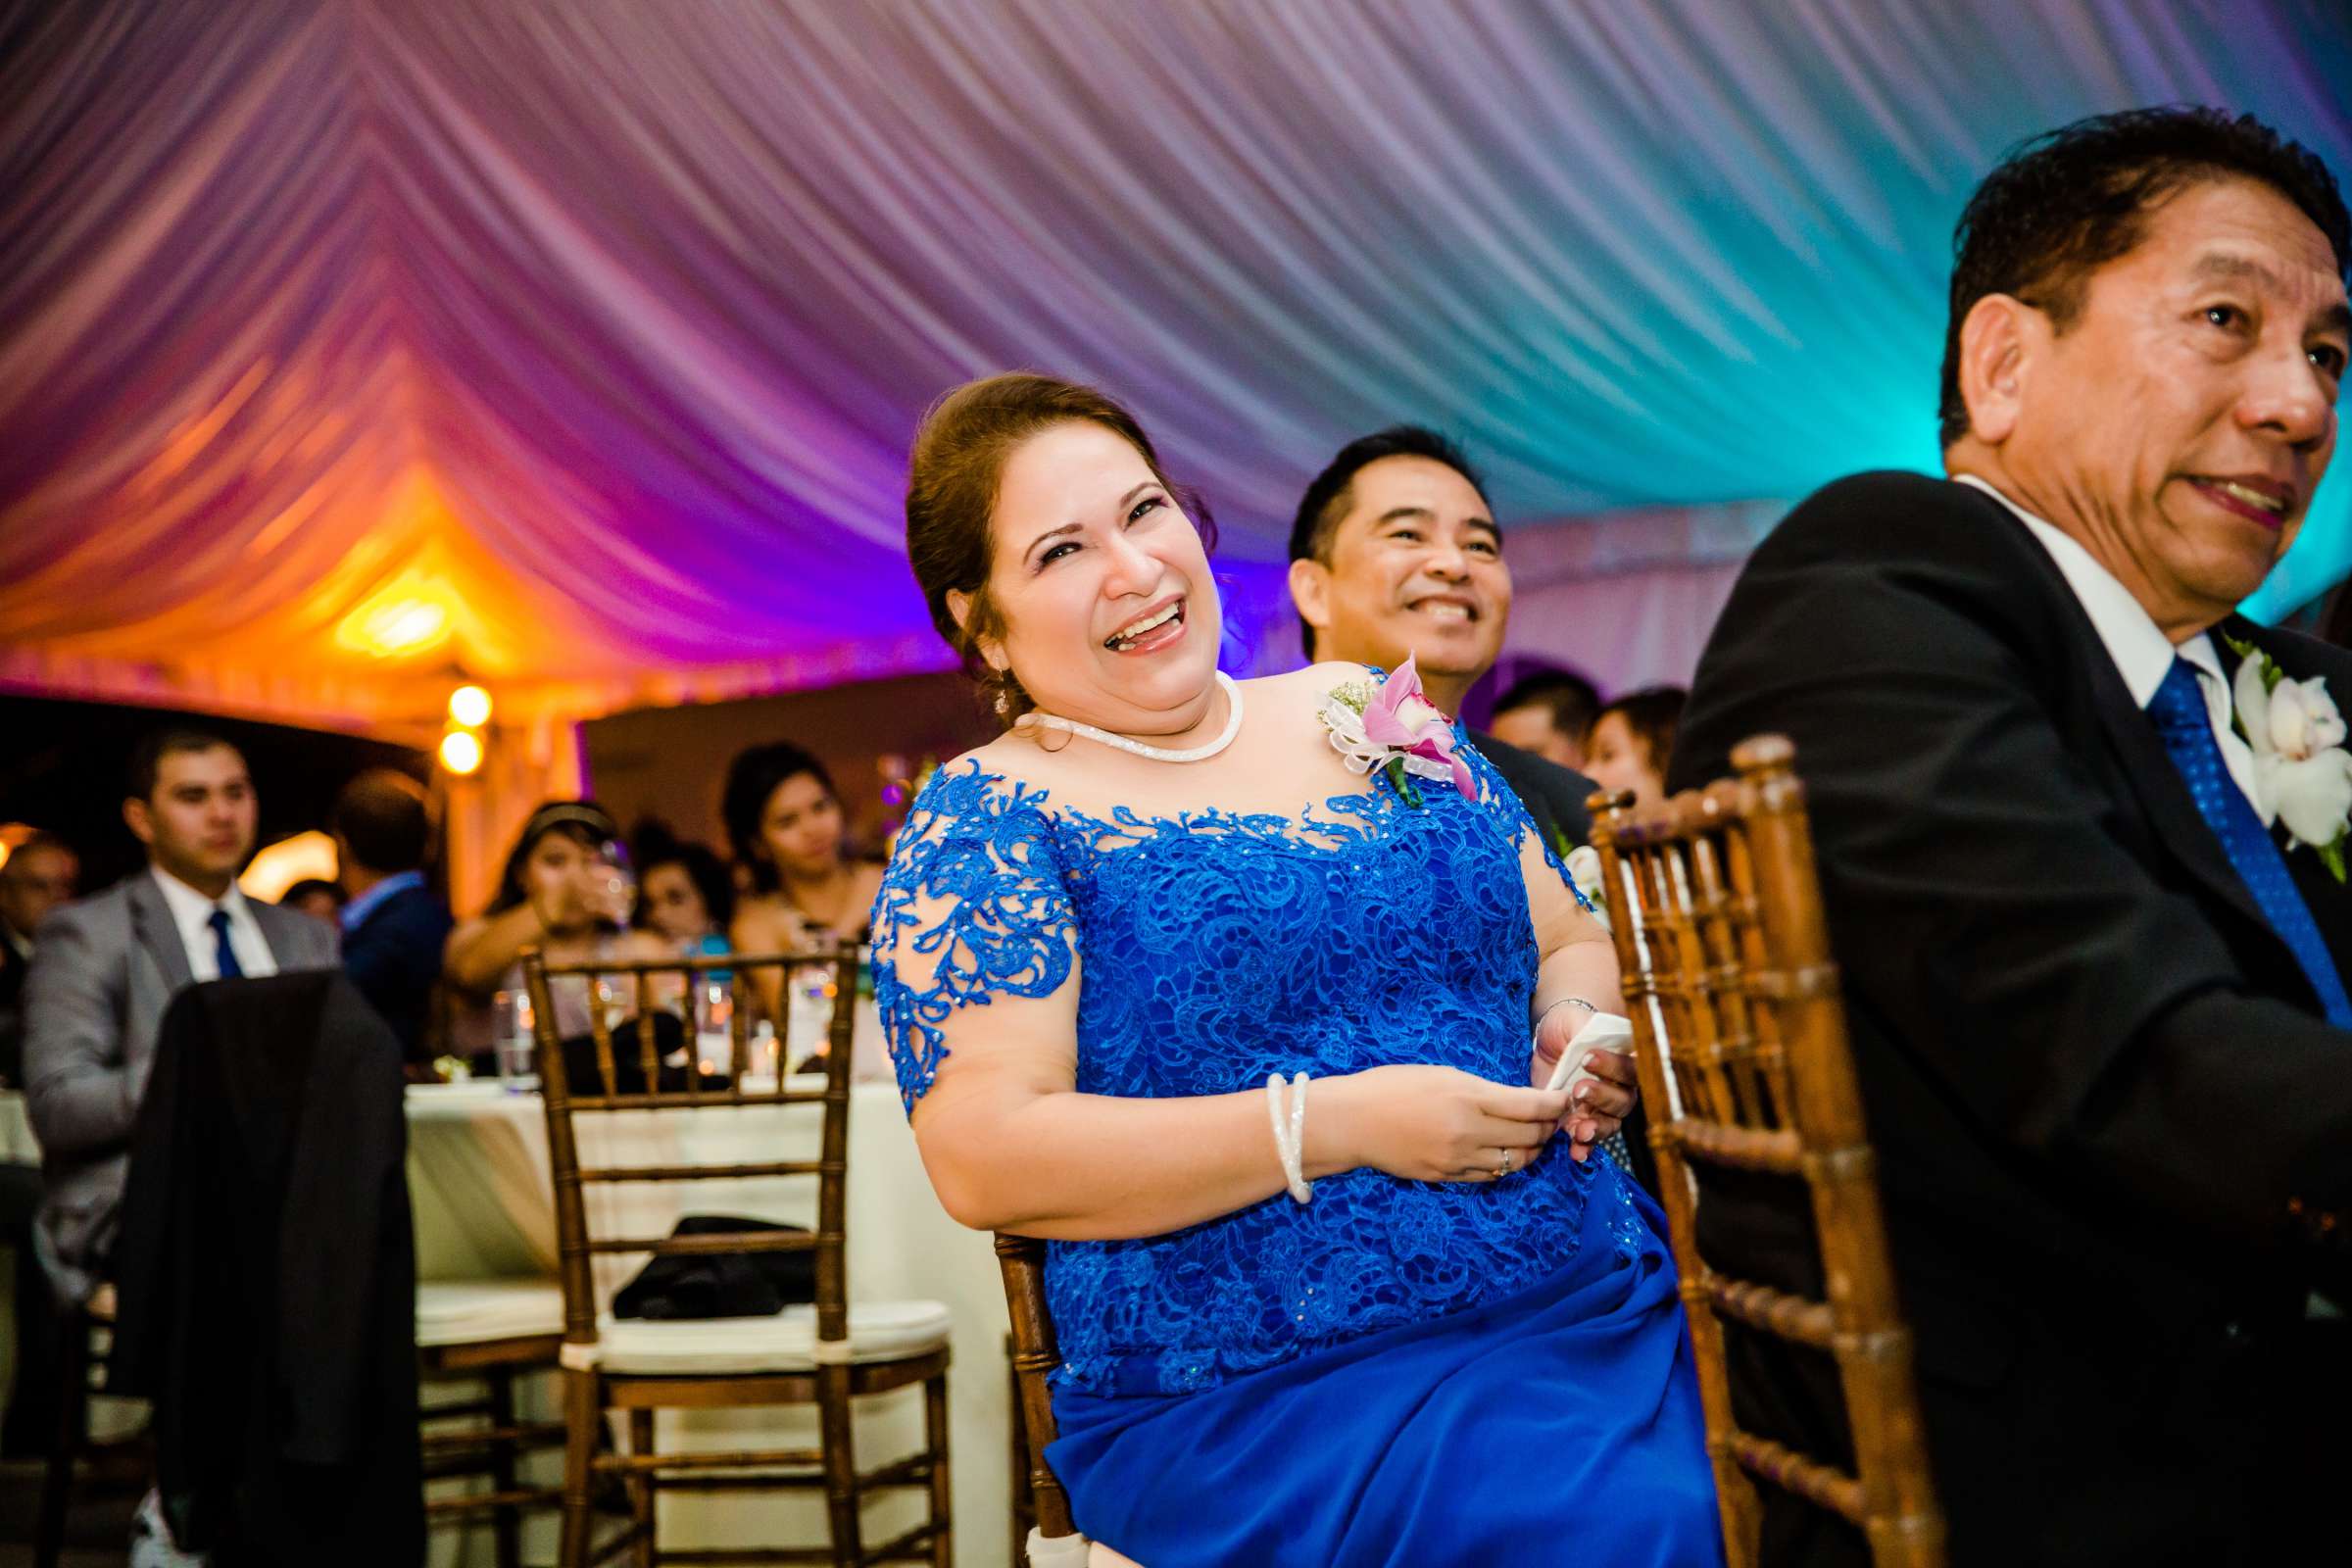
(1158, 754)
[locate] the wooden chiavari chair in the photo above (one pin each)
(1739, 1027)
(827, 1358)
(1053, 1541)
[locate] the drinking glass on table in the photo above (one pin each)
(511, 1038)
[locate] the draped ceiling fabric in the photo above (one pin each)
(347, 346)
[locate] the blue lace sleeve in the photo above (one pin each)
(974, 906)
(1496, 796)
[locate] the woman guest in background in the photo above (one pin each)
(684, 892)
(785, 822)
(564, 891)
(1333, 1281)
(1630, 739)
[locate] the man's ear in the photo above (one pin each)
(136, 819)
(2002, 339)
(1310, 592)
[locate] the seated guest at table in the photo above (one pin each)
(1468, 1346)
(785, 821)
(564, 891)
(1632, 738)
(318, 897)
(684, 892)
(37, 877)
(2078, 831)
(786, 824)
(1394, 554)
(395, 926)
(106, 967)
(1545, 714)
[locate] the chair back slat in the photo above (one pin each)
(585, 1231)
(1034, 1356)
(1740, 1042)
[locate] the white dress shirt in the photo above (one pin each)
(2144, 655)
(192, 912)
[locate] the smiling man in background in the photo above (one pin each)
(1394, 551)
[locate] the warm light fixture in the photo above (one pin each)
(394, 626)
(469, 705)
(460, 752)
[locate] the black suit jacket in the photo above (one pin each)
(267, 1277)
(1552, 795)
(2106, 1108)
(394, 957)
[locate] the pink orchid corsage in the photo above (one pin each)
(1392, 726)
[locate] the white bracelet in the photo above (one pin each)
(1290, 1132)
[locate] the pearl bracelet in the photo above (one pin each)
(1290, 1132)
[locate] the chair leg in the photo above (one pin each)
(841, 1464)
(582, 1416)
(506, 1523)
(943, 1507)
(73, 1434)
(1024, 1511)
(641, 1488)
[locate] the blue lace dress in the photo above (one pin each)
(1399, 1372)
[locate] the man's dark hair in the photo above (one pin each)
(147, 757)
(308, 886)
(2062, 205)
(387, 819)
(1327, 497)
(1572, 701)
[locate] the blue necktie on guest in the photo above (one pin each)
(225, 955)
(2180, 716)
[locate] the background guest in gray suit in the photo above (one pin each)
(106, 967)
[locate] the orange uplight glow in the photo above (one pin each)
(460, 752)
(469, 705)
(393, 627)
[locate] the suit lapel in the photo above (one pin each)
(151, 922)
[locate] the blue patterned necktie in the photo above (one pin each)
(222, 953)
(2179, 710)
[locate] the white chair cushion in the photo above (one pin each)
(879, 1331)
(479, 1311)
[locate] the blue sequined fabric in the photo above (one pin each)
(1218, 947)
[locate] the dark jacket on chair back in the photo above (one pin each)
(267, 1276)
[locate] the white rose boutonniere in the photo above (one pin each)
(2302, 773)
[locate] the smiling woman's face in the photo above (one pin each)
(1101, 585)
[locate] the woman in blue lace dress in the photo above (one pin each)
(1392, 1308)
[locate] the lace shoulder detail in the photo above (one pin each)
(975, 904)
(1497, 798)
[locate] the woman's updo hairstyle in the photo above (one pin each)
(952, 476)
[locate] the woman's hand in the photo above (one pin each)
(1599, 1104)
(1427, 1124)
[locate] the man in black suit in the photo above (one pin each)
(1394, 551)
(2096, 1005)
(393, 925)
